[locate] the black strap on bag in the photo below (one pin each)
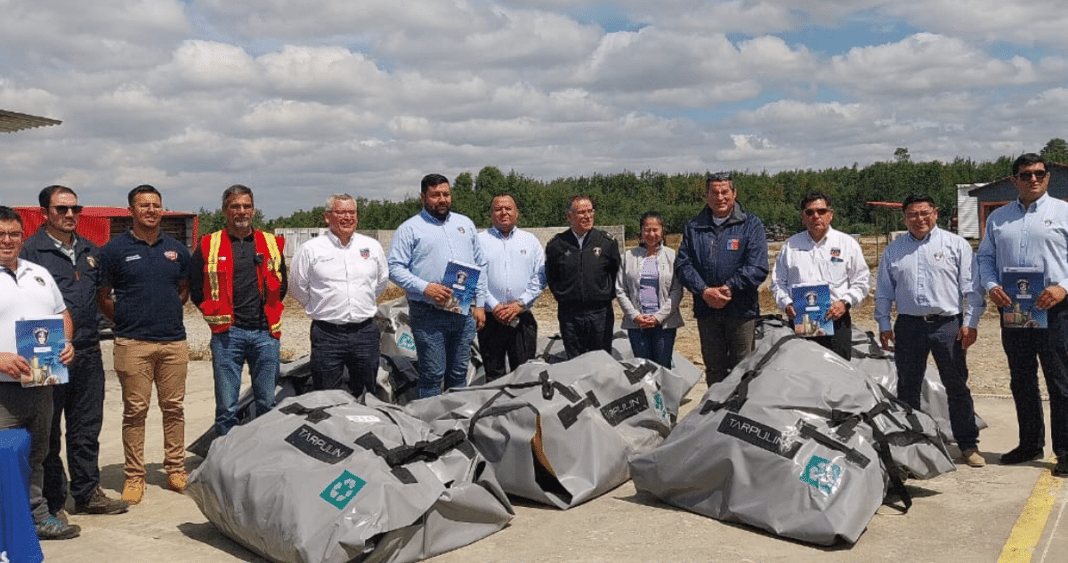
(394, 372)
(740, 395)
(853, 456)
(423, 450)
(312, 415)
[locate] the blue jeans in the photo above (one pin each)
(229, 351)
(656, 344)
(442, 347)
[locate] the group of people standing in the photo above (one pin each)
(238, 278)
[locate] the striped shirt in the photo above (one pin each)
(933, 276)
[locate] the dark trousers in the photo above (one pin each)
(725, 340)
(81, 403)
(841, 342)
(915, 338)
(1050, 347)
(584, 329)
(354, 346)
(498, 342)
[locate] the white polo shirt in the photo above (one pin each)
(29, 293)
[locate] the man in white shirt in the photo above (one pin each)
(338, 277)
(823, 255)
(28, 291)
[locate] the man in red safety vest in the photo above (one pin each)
(238, 280)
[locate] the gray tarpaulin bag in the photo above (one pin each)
(323, 478)
(560, 434)
(675, 382)
(795, 441)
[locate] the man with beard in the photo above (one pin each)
(338, 277)
(237, 278)
(581, 264)
(71, 260)
(420, 252)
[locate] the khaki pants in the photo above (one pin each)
(139, 364)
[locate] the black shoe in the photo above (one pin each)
(1061, 469)
(53, 529)
(99, 503)
(1019, 455)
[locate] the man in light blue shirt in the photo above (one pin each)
(421, 249)
(515, 279)
(928, 273)
(1033, 232)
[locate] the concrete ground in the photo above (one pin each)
(995, 513)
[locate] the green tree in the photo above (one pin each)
(1056, 150)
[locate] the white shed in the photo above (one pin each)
(968, 211)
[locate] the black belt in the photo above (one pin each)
(933, 318)
(343, 327)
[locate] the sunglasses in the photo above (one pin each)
(1026, 176)
(821, 211)
(63, 209)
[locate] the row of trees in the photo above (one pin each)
(621, 198)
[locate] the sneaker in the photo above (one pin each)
(99, 503)
(1020, 454)
(53, 529)
(61, 515)
(972, 458)
(1061, 469)
(177, 481)
(133, 490)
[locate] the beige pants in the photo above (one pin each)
(139, 364)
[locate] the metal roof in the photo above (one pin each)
(11, 121)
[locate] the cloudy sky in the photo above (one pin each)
(301, 98)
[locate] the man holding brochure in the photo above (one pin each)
(831, 265)
(27, 291)
(1032, 232)
(426, 256)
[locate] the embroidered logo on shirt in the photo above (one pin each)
(523, 252)
(1049, 222)
(134, 257)
(461, 229)
(938, 256)
(365, 253)
(733, 244)
(836, 252)
(171, 255)
(39, 279)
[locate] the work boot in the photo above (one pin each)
(972, 458)
(53, 529)
(1020, 454)
(177, 481)
(99, 503)
(133, 490)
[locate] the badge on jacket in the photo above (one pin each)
(91, 261)
(597, 251)
(733, 244)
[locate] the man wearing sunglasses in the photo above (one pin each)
(1033, 232)
(71, 260)
(822, 255)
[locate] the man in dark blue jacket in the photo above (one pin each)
(722, 261)
(71, 260)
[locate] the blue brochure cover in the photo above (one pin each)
(462, 279)
(811, 303)
(1023, 285)
(41, 341)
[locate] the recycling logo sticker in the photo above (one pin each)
(822, 474)
(406, 341)
(341, 490)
